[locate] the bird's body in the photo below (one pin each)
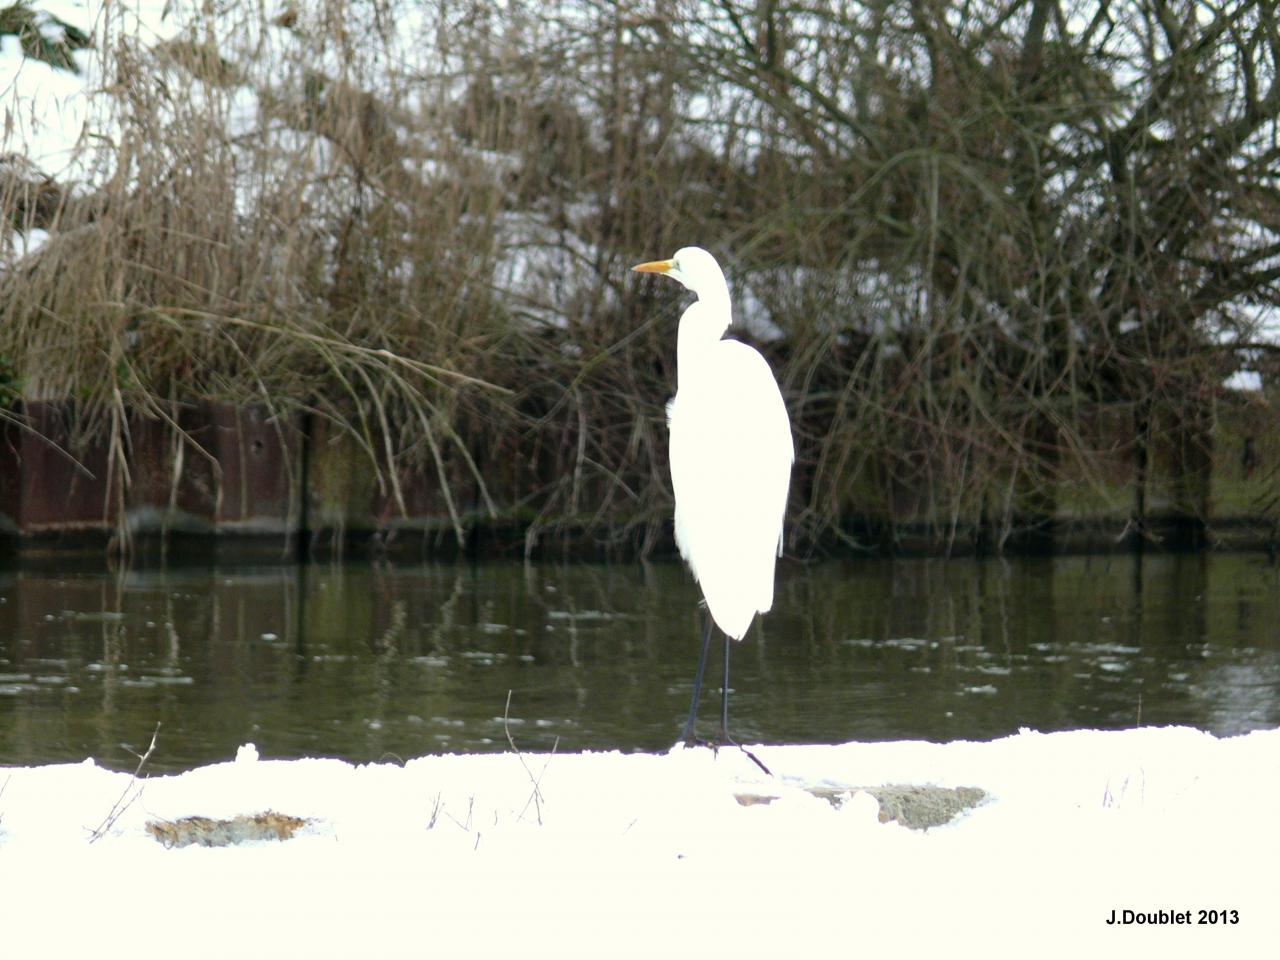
(727, 430)
(731, 454)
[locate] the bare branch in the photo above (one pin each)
(130, 794)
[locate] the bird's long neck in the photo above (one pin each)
(701, 326)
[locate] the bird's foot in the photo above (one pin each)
(728, 741)
(724, 740)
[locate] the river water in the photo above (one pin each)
(375, 662)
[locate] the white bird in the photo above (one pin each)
(731, 454)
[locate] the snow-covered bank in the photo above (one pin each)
(636, 855)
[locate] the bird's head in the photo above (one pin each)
(693, 267)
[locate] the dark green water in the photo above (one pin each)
(369, 662)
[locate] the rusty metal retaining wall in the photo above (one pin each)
(240, 480)
(232, 479)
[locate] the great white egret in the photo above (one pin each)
(731, 454)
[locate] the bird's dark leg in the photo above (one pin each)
(724, 713)
(724, 695)
(697, 684)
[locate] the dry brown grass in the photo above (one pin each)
(976, 246)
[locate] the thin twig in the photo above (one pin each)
(536, 796)
(121, 805)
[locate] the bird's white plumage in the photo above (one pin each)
(730, 474)
(731, 453)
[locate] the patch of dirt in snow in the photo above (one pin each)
(208, 832)
(917, 807)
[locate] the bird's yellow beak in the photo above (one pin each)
(654, 266)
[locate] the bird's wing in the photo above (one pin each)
(731, 456)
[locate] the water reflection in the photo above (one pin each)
(366, 662)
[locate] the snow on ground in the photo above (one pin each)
(654, 855)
